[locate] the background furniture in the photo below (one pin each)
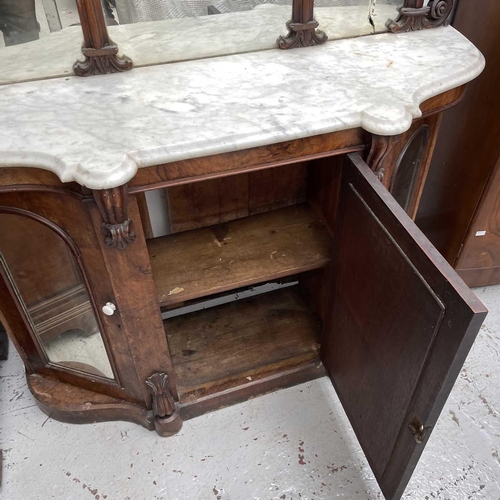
(479, 260)
(461, 195)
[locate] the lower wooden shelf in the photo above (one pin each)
(224, 347)
(239, 253)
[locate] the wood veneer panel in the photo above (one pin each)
(239, 253)
(228, 346)
(258, 158)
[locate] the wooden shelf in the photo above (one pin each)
(239, 253)
(231, 345)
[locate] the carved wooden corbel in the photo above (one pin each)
(112, 204)
(414, 16)
(166, 417)
(381, 156)
(302, 27)
(101, 54)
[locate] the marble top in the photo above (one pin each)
(99, 130)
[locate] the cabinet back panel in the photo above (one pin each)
(215, 201)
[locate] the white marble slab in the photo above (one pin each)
(173, 40)
(99, 130)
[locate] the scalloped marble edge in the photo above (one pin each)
(90, 178)
(379, 118)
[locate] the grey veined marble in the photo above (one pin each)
(99, 130)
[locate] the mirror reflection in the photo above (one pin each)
(48, 282)
(38, 39)
(23, 21)
(135, 11)
(349, 18)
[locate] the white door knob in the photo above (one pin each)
(109, 309)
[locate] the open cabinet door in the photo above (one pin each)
(398, 329)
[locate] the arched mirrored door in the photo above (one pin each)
(46, 276)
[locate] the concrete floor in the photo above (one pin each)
(293, 444)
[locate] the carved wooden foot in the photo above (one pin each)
(168, 426)
(167, 419)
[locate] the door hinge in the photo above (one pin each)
(418, 430)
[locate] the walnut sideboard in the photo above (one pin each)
(291, 179)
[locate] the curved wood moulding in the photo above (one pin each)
(68, 403)
(18, 178)
(443, 101)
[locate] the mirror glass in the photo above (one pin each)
(38, 39)
(135, 11)
(42, 39)
(349, 18)
(156, 31)
(49, 285)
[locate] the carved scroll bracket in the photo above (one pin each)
(167, 418)
(112, 204)
(381, 156)
(101, 61)
(101, 54)
(302, 30)
(414, 16)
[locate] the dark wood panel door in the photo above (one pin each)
(399, 327)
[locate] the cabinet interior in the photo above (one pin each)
(249, 254)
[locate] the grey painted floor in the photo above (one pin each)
(294, 444)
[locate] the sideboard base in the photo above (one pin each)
(71, 404)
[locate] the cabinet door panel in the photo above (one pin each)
(50, 261)
(400, 325)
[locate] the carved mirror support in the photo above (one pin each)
(302, 30)
(101, 54)
(414, 15)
